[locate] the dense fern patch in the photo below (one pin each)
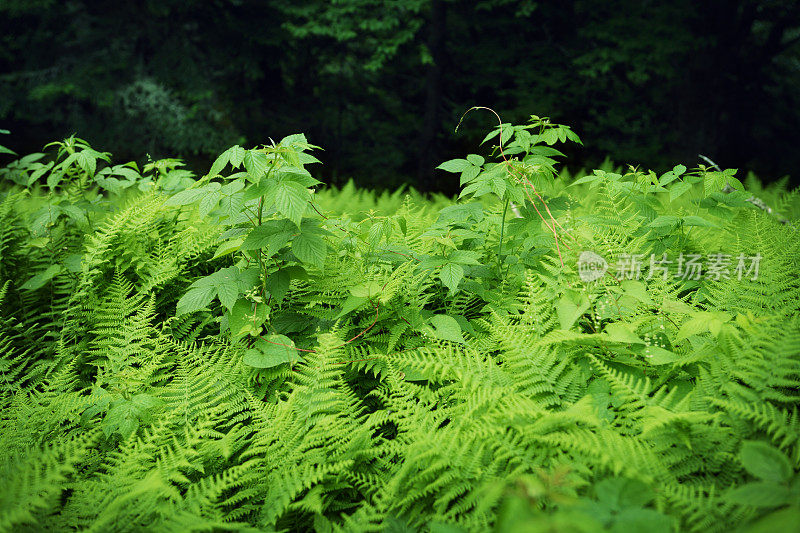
(240, 351)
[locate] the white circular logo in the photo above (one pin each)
(591, 266)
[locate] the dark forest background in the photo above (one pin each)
(381, 85)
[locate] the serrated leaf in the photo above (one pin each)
(246, 316)
(231, 205)
(476, 189)
(491, 135)
(236, 156)
(621, 332)
(307, 159)
(498, 185)
(694, 220)
(446, 242)
(678, 190)
(760, 494)
(446, 328)
(73, 262)
(278, 284)
(55, 178)
(469, 174)
(451, 275)
(271, 236)
(187, 196)
(570, 307)
(351, 304)
(266, 188)
(550, 136)
(620, 493)
(228, 247)
(195, 299)
(572, 136)
(454, 165)
(464, 257)
(74, 213)
(667, 177)
(676, 306)
(476, 160)
(291, 157)
(715, 181)
(299, 175)
(226, 284)
(257, 164)
(209, 202)
(662, 221)
(461, 213)
(39, 280)
(637, 290)
(295, 139)
(370, 289)
(697, 324)
(507, 132)
(657, 355)
(765, 462)
(112, 185)
(219, 163)
(271, 351)
(230, 188)
(122, 417)
(87, 162)
(39, 172)
(310, 248)
(376, 232)
(291, 200)
(247, 278)
(228, 291)
(145, 402)
(586, 179)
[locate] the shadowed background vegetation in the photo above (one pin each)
(381, 85)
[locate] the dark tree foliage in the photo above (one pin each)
(382, 84)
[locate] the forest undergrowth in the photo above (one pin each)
(248, 351)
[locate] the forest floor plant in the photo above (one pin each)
(245, 352)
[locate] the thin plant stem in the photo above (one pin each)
(500, 244)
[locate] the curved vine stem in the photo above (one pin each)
(520, 177)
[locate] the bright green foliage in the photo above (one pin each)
(240, 351)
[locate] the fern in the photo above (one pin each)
(239, 354)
